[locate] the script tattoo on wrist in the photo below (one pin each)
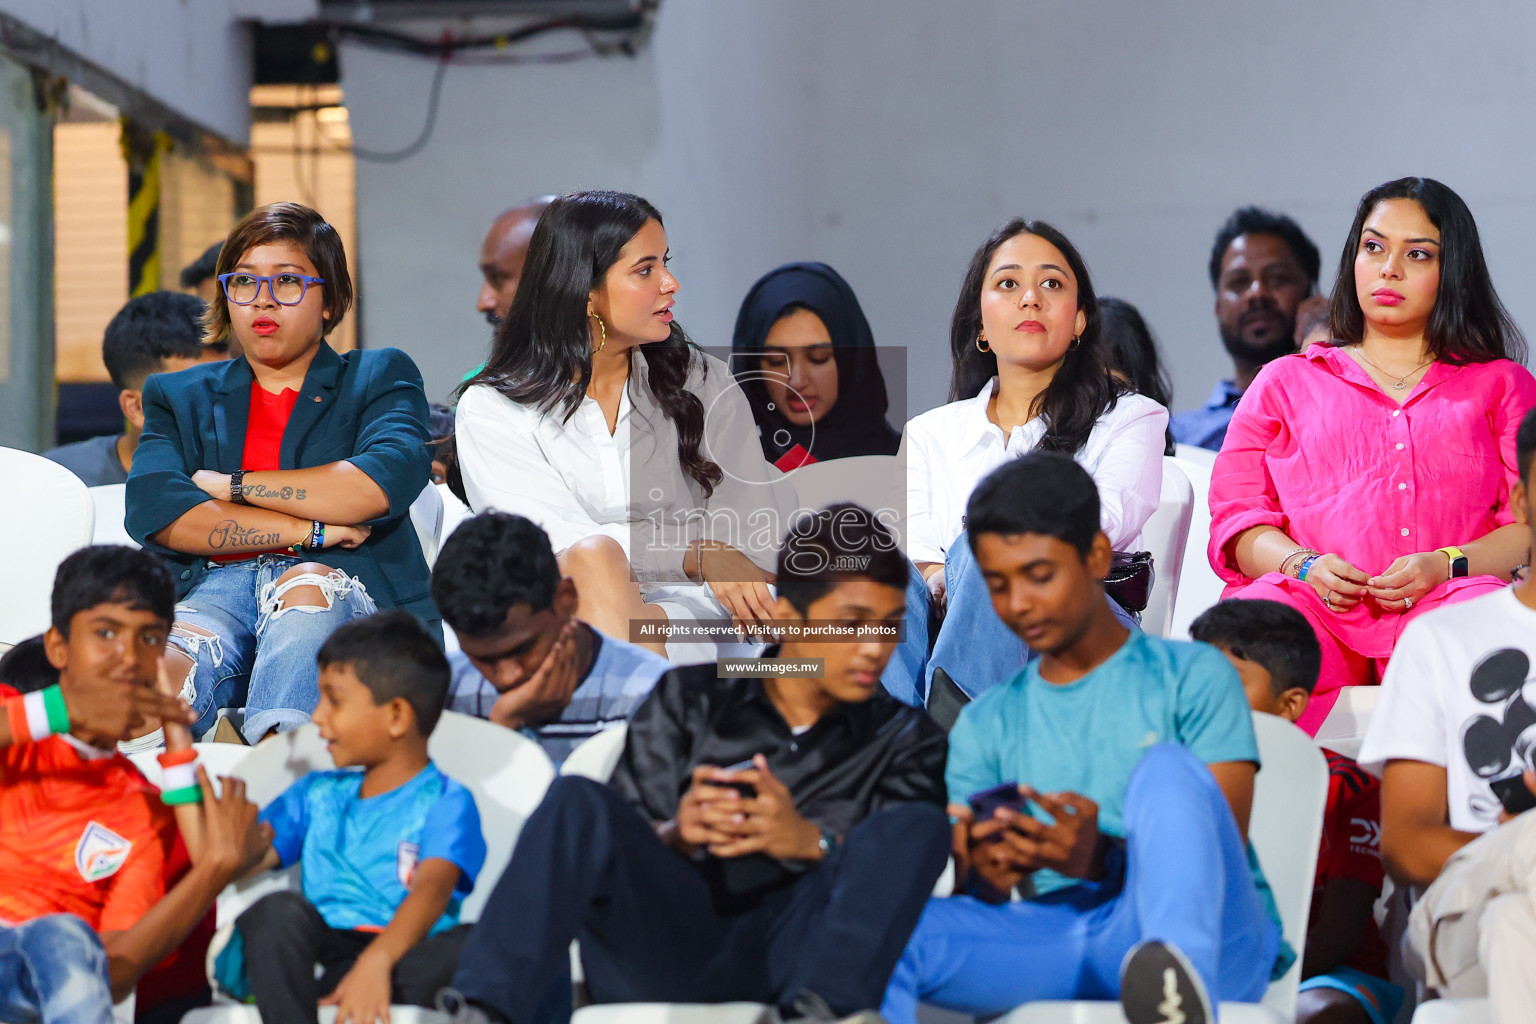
(284, 493)
(230, 534)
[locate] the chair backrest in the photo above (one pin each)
(506, 773)
(427, 518)
(597, 757)
(1199, 586)
(869, 480)
(1286, 826)
(1345, 727)
(45, 514)
(1166, 536)
(454, 513)
(109, 502)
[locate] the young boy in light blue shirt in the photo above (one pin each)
(1124, 765)
(386, 853)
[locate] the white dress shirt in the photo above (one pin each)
(577, 480)
(950, 449)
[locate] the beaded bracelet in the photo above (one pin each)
(180, 785)
(36, 716)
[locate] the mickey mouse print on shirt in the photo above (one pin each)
(1500, 743)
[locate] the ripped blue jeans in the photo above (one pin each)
(53, 971)
(249, 651)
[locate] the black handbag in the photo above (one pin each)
(1130, 580)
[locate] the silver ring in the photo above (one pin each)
(1407, 603)
(1328, 599)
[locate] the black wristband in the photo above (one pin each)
(237, 487)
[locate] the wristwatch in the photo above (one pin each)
(1458, 562)
(237, 487)
(827, 843)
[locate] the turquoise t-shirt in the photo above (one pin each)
(358, 856)
(1085, 737)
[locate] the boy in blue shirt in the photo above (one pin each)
(386, 853)
(1135, 758)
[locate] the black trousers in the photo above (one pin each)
(653, 929)
(285, 937)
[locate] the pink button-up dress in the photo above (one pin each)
(1318, 450)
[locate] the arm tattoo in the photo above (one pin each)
(276, 493)
(230, 534)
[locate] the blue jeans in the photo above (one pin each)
(1184, 878)
(973, 646)
(260, 657)
(906, 674)
(54, 971)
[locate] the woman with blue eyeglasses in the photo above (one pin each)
(278, 485)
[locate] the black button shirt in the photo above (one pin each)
(855, 760)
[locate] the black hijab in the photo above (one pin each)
(856, 423)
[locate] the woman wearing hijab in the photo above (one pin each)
(805, 357)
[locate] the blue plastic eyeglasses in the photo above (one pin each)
(286, 289)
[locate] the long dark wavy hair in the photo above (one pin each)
(542, 355)
(1083, 388)
(1468, 323)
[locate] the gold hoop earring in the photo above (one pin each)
(603, 328)
(980, 341)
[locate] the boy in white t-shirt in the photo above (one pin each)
(1456, 727)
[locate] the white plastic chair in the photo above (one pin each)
(506, 773)
(427, 518)
(1344, 729)
(1285, 828)
(1454, 1011)
(45, 515)
(109, 503)
(1199, 586)
(1194, 453)
(869, 480)
(597, 757)
(1165, 536)
(454, 513)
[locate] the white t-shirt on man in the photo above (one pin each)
(1460, 692)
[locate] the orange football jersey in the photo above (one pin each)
(81, 832)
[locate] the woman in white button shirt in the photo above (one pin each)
(1030, 372)
(598, 419)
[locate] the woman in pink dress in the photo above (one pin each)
(1368, 479)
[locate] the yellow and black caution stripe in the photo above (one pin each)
(145, 152)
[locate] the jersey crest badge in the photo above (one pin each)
(100, 852)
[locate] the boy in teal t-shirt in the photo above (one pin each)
(1135, 758)
(386, 854)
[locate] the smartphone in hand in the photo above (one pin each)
(985, 804)
(746, 789)
(1513, 793)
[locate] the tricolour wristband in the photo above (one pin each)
(36, 716)
(179, 783)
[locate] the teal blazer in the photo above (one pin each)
(367, 407)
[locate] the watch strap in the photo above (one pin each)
(1458, 559)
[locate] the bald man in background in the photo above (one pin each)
(502, 255)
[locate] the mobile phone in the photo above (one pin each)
(986, 803)
(746, 789)
(1513, 793)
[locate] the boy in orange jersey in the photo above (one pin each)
(84, 838)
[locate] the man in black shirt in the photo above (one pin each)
(789, 829)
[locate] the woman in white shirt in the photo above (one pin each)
(1030, 373)
(598, 419)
